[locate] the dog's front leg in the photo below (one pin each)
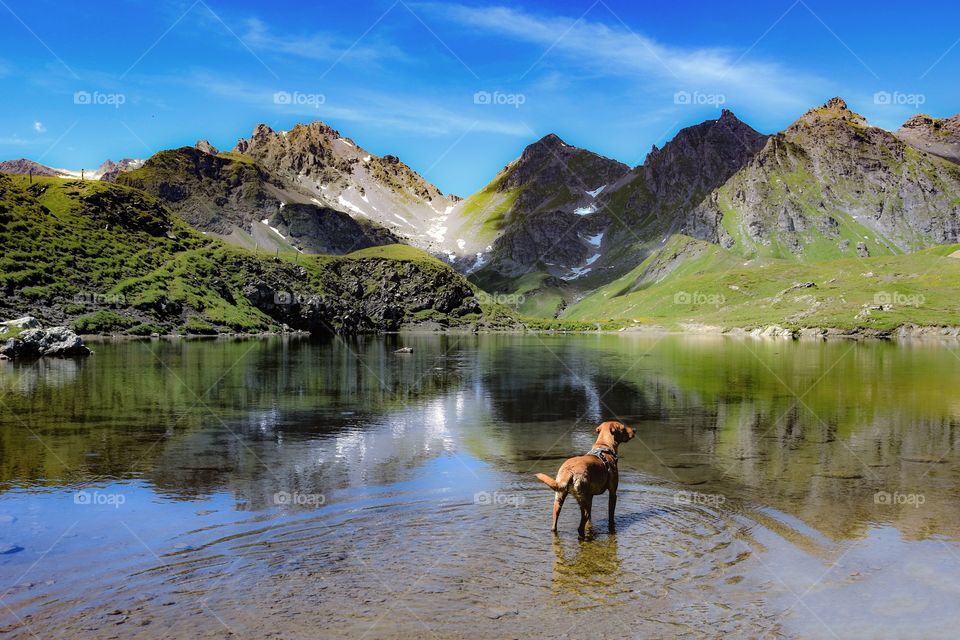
(612, 504)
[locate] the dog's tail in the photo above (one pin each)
(550, 482)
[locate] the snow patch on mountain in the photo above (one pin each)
(596, 192)
(576, 272)
(585, 211)
(349, 205)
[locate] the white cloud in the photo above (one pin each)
(619, 51)
(38, 127)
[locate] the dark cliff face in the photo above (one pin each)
(659, 196)
(359, 296)
(698, 160)
(221, 194)
(210, 192)
(551, 181)
(315, 229)
(550, 174)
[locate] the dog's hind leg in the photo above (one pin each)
(586, 504)
(558, 498)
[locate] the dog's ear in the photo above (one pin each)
(621, 432)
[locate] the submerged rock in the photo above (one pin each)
(36, 343)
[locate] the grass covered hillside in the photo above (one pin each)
(108, 258)
(691, 282)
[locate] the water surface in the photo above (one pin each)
(303, 489)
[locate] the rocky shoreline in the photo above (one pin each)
(903, 332)
(772, 332)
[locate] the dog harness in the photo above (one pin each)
(599, 451)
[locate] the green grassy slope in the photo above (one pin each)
(691, 282)
(484, 213)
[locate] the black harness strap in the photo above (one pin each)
(599, 451)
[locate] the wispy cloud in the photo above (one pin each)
(38, 127)
(414, 114)
(615, 49)
(16, 141)
(315, 46)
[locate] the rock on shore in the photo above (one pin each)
(37, 343)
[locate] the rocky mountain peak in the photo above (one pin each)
(551, 161)
(919, 121)
(206, 147)
(834, 111)
(107, 166)
(262, 130)
(727, 136)
(836, 104)
(551, 140)
(543, 148)
(728, 116)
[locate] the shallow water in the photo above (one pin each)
(303, 489)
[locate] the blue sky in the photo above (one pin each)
(454, 89)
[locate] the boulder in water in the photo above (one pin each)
(36, 343)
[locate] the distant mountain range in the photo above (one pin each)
(106, 171)
(560, 223)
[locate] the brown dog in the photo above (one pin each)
(590, 475)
